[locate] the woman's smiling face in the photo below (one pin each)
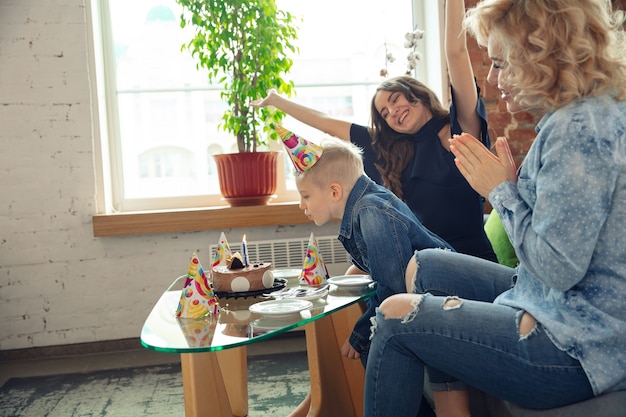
(498, 75)
(400, 114)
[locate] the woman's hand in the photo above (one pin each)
(482, 169)
(267, 101)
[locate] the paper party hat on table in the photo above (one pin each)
(222, 252)
(303, 154)
(197, 298)
(314, 270)
(199, 331)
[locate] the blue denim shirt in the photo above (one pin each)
(380, 233)
(566, 217)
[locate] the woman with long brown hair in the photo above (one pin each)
(406, 147)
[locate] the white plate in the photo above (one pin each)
(350, 280)
(282, 307)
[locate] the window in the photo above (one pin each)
(159, 115)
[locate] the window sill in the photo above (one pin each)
(140, 223)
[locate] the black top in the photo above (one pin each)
(434, 188)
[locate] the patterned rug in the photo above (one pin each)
(276, 384)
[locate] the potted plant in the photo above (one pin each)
(245, 46)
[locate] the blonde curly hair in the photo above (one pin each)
(555, 51)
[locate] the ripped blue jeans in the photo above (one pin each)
(463, 342)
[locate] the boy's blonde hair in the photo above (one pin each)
(341, 162)
(558, 50)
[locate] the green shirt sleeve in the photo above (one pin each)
(500, 241)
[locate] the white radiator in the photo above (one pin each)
(289, 253)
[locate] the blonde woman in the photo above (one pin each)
(551, 332)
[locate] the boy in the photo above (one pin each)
(378, 230)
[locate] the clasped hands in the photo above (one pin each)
(482, 169)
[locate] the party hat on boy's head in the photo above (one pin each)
(303, 154)
(314, 271)
(197, 298)
(221, 252)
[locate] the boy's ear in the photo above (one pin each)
(336, 191)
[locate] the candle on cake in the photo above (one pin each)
(244, 250)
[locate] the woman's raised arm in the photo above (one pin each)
(314, 118)
(460, 68)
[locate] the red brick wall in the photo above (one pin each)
(518, 128)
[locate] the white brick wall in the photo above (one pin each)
(59, 284)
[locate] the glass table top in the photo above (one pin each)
(236, 325)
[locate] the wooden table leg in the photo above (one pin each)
(208, 390)
(234, 367)
(336, 382)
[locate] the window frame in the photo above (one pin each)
(431, 68)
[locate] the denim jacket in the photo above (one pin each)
(380, 233)
(566, 217)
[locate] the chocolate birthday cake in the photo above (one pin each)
(237, 277)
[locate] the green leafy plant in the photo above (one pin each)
(245, 46)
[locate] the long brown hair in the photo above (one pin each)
(394, 149)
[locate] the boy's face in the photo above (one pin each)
(316, 202)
